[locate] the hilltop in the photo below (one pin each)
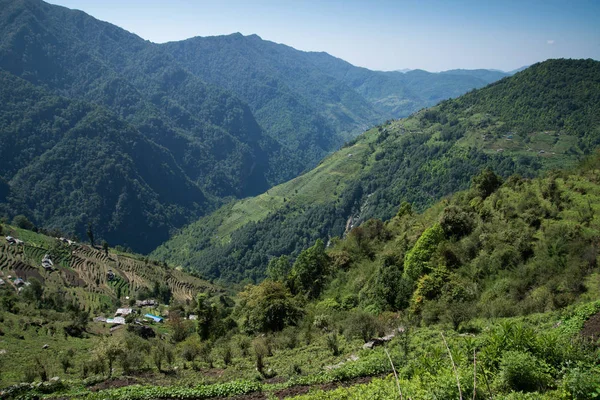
(541, 118)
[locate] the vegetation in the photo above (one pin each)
(131, 131)
(501, 298)
(417, 160)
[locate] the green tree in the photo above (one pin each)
(207, 316)
(279, 268)
(90, 233)
(310, 270)
(268, 307)
(486, 183)
(105, 247)
(34, 291)
(21, 221)
(416, 262)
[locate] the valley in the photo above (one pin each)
(215, 216)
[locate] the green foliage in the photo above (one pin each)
(22, 222)
(268, 307)
(279, 268)
(582, 383)
(520, 371)
(310, 270)
(416, 262)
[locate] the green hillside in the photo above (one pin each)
(71, 163)
(490, 293)
(542, 118)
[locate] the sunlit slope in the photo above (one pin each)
(542, 118)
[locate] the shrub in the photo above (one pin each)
(582, 384)
(66, 360)
(362, 325)
(416, 262)
(521, 371)
(333, 343)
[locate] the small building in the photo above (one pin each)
(146, 303)
(19, 282)
(123, 312)
(19, 242)
(154, 317)
(47, 262)
(99, 319)
(116, 320)
(10, 239)
(2, 282)
(193, 317)
(67, 241)
(110, 275)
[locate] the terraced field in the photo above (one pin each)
(82, 271)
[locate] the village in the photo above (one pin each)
(139, 312)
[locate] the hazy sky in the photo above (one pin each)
(378, 34)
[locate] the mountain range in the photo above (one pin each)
(179, 128)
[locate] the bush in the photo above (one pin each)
(362, 325)
(582, 384)
(522, 371)
(333, 343)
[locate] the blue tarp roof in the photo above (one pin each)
(154, 317)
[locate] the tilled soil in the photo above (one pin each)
(591, 328)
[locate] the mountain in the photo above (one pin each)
(211, 134)
(399, 94)
(227, 117)
(325, 99)
(542, 118)
(70, 163)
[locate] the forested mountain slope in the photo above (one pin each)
(398, 94)
(210, 133)
(71, 163)
(543, 117)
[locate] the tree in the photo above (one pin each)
(279, 268)
(416, 262)
(90, 233)
(207, 316)
(34, 292)
(405, 209)
(268, 307)
(309, 271)
(21, 221)
(109, 350)
(105, 247)
(164, 293)
(486, 183)
(455, 222)
(178, 326)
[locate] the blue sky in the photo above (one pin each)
(378, 34)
